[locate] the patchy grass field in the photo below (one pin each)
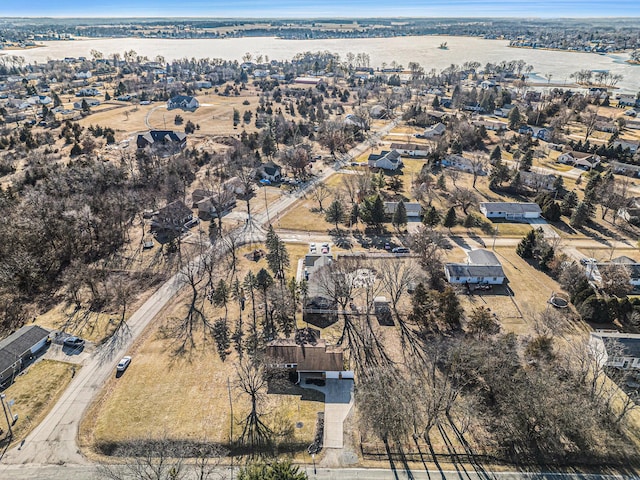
(35, 392)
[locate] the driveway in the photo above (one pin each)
(548, 230)
(338, 400)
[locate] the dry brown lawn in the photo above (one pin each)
(35, 392)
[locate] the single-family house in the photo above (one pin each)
(628, 100)
(490, 125)
(414, 209)
(356, 121)
(537, 181)
(411, 149)
(184, 102)
(510, 210)
(386, 160)
(91, 102)
(216, 205)
(318, 307)
(173, 217)
(626, 144)
(579, 159)
(458, 162)
(203, 84)
(83, 75)
(19, 347)
(154, 138)
(87, 92)
(482, 266)
(503, 111)
(487, 84)
(615, 349)
(625, 168)
(305, 82)
(235, 185)
(434, 131)
(270, 171)
(308, 356)
(632, 266)
(532, 96)
(378, 111)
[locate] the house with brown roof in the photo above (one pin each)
(307, 355)
(173, 217)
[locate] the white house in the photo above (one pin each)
(435, 130)
(461, 163)
(411, 149)
(414, 209)
(632, 266)
(537, 181)
(386, 160)
(615, 349)
(482, 266)
(510, 210)
(579, 159)
(183, 102)
(625, 168)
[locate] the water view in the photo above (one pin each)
(559, 65)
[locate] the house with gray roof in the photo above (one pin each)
(510, 210)
(435, 130)
(184, 102)
(386, 160)
(154, 138)
(414, 209)
(18, 347)
(615, 349)
(482, 266)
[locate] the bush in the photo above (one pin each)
(595, 309)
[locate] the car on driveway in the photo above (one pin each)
(587, 261)
(124, 363)
(312, 248)
(325, 250)
(73, 342)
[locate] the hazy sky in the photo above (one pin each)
(321, 8)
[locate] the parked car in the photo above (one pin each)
(326, 245)
(324, 250)
(73, 342)
(387, 246)
(124, 363)
(312, 248)
(265, 181)
(400, 250)
(586, 261)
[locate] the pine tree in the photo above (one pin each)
(527, 161)
(431, 217)
(527, 244)
(400, 219)
(581, 214)
(335, 213)
(277, 255)
(514, 118)
(496, 155)
(450, 219)
(568, 203)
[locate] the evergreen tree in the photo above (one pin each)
(568, 203)
(449, 308)
(354, 215)
(450, 219)
(516, 182)
(335, 213)
(441, 183)
(496, 155)
(277, 255)
(436, 103)
(372, 211)
(581, 214)
(515, 119)
(558, 184)
(431, 217)
(500, 173)
(527, 244)
(527, 161)
(399, 218)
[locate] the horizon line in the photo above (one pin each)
(374, 17)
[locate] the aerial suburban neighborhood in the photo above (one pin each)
(317, 264)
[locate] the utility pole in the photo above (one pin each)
(4, 408)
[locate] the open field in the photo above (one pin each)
(35, 391)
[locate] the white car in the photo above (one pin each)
(124, 363)
(312, 247)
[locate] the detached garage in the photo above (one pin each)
(18, 347)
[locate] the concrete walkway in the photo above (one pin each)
(338, 401)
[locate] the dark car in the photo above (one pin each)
(73, 342)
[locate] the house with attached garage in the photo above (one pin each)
(482, 266)
(435, 130)
(411, 149)
(386, 160)
(458, 162)
(537, 181)
(270, 171)
(579, 159)
(625, 168)
(631, 265)
(615, 349)
(154, 138)
(308, 356)
(18, 348)
(510, 210)
(414, 209)
(626, 144)
(184, 102)
(173, 217)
